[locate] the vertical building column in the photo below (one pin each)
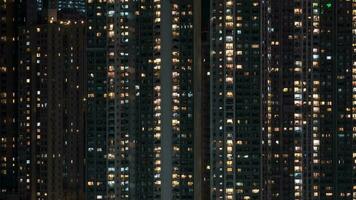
(98, 72)
(315, 101)
(166, 99)
(299, 65)
(266, 103)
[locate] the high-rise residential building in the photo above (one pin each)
(51, 98)
(97, 76)
(283, 71)
(154, 99)
(165, 110)
(8, 102)
(309, 116)
(235, 99)
(13, 14)
(282, 99)
(146, 49)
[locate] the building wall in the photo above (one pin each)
(310, 125)
(96, 102)
(8, 102)
(149, 97)
(52, 111)
(291, 123)
(235, 100)
(205, 114)
(169, 71)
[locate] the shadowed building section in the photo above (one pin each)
(8, 102)
(146, 50)
(235, 99)
(52, 111)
